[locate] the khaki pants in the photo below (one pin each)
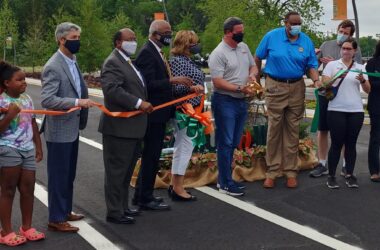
(285, 105)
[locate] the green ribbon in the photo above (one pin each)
(342, 71)
(314, 122)
(195, 130)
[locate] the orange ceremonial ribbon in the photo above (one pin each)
(104, 109)
(203, 118)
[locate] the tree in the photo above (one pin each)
(259, 16)
(8, 26)
(367, 46)
(34, 51)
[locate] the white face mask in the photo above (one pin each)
(129, 47)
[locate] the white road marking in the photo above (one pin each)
(278, 220)
(87, 232)
(90, 234)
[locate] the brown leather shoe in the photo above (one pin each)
(74, 217)
(62, 227)
(268, 183)
(291, 182)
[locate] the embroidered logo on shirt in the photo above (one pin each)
(300, 49)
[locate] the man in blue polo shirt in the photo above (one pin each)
(290, 54)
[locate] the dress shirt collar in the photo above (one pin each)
(155, 45)
(126, 58)
(68, 59)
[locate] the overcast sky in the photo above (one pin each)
(368, 12)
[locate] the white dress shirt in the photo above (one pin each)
(126, 58)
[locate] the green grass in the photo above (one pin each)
(30, 69)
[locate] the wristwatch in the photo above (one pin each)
(238, 89)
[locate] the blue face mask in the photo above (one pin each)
(295, 30)
(341, 38)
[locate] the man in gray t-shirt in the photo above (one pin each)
(330, 51)
(231, 66)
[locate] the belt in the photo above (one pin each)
(291, 80)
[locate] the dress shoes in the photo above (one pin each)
(74, 217)
(291, 182)
(132, 212)
(154, 205)
(176, 197)
(121, 220)
(62, 227)
(268, 183)
(135, 201)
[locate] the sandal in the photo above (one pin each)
(32, 234)
(12, 239)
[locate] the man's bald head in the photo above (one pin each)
(125, 34)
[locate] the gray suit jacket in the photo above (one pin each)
(122, 88)
(59, 93)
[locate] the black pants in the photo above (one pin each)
(153, 143)
(374, 144)
(120, 156)
(344, 130)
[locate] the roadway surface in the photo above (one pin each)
(309, 217)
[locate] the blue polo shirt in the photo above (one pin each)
(286, 59)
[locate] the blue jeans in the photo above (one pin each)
(230, 114)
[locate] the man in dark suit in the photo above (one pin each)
(124, 90)
(155, 69)
(63, 88)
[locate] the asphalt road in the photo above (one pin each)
(349, 216)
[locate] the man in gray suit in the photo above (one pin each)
(63, 88)
(124, 90)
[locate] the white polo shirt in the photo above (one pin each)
(348, 98)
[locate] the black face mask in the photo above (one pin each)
(72, 45)
(165, 39)
(195, 49)
(238, 37)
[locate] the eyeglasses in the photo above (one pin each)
(345, 48)
(292, 24)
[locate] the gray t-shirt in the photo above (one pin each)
(231, 64)
(332, 48)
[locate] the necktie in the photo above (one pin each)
(166, 64)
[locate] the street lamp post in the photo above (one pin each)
(356, 21)
(166, 12)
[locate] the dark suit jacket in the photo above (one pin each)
(121, 88)
(151, 65)
(373, 105)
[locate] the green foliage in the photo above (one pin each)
(100, 19)
(259, 17)
(8, 26)
(368, 45)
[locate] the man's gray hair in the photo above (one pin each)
(64, 29)
(155, 25)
